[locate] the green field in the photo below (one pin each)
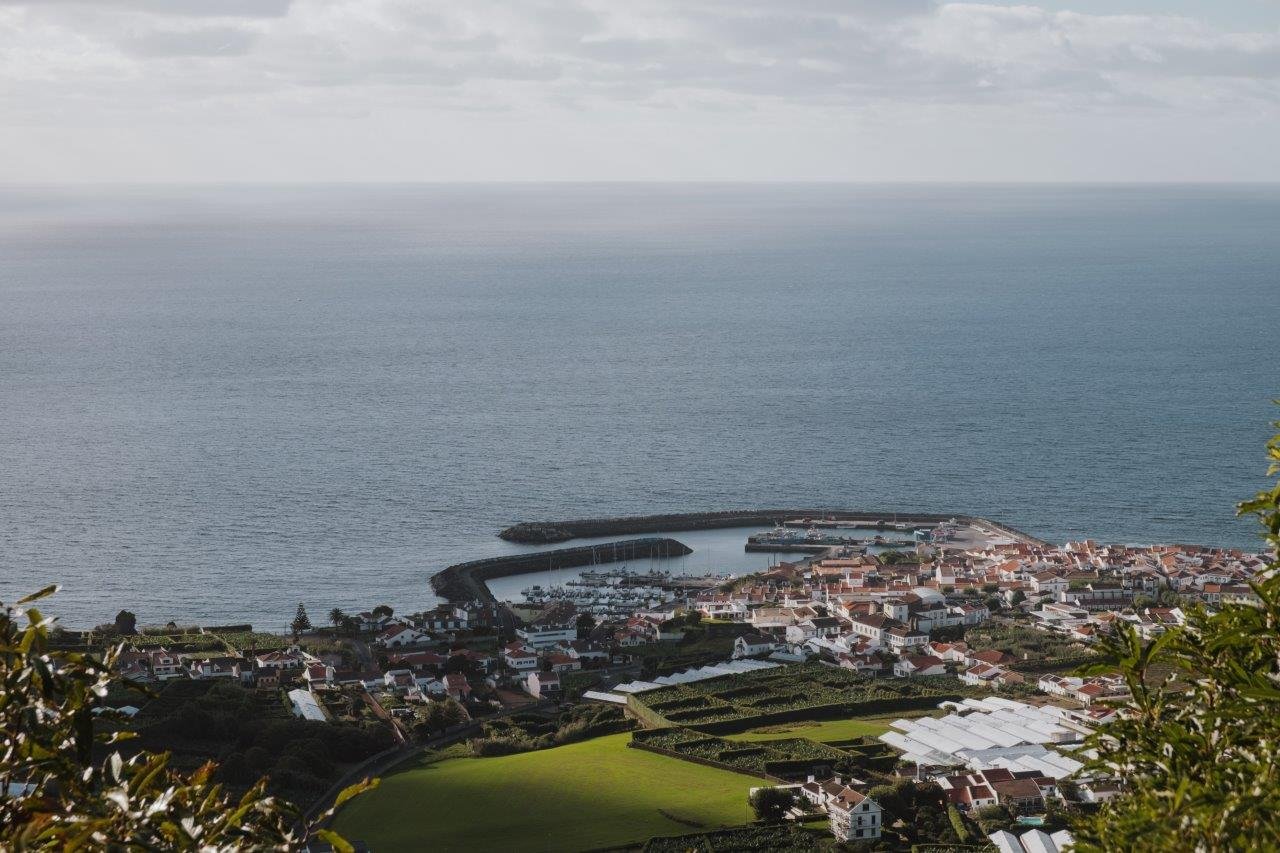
(828, 731)
(596, 793)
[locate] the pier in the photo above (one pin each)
(466, 581)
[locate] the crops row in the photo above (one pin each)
(797, 688)
(755, 757)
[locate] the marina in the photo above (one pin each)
(618, 593)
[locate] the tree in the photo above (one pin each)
(994, 603)
(59, 797)
(383, 610)
(300, 621)
(1200, 763)
(126, 623)
(337, 617)
(439, 716)
(772, 804)
(584, 623)
(1017, 598)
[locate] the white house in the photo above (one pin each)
(397, 636)
(854, 816)
(919, 665)
(750, 645)
(519, 659)
(542, 684)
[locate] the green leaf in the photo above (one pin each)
(354, 790)
(340, 844)
(36, 596)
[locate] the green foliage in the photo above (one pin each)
(67, 799)
(253, 736)
(438, 716)
(528, 732)
(126, 622)
(771, 804)
(958, 824)
(301, 622)
(664, 658)
(770, 838)
(993, 818)
(1201, 764)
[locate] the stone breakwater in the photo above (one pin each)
(541, 532)
(466, 581)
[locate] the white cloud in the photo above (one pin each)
(280, 67)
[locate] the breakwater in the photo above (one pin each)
(466, 581)
(561, 531)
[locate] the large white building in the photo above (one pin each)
(546, 636)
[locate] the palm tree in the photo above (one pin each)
(337, 617)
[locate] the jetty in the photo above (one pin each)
(466, 581)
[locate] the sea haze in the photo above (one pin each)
(215, 403)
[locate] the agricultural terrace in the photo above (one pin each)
(750, 758)
(591, 794)
(788, 758)
(828, 731)
(809, 691)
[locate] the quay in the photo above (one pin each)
(466, 581)
(771, 542)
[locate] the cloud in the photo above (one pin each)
(205, 41)
(819, 51)
(113, 63)
(175, 8)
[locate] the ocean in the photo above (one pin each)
(216, 402)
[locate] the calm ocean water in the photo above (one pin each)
(215, 403)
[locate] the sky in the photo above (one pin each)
(650, 90)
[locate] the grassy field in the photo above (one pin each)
(828, 731)
(596, 793)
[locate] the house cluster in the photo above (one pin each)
(1086, 691)
(853, 611)
(541, 654)
(252, 668)
(848, 608)
(1083, 590)
(1022, 791)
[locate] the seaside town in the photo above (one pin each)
(888, 695)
